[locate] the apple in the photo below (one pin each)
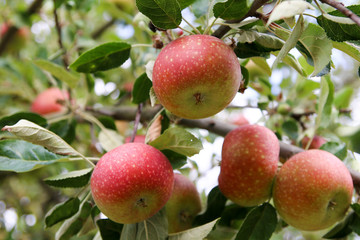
(47, 102)
(313, 190)
(18, 41)
(183, 205)
(196, 76)
(250, 156)
(316, 142)
(240, 120)
(138, 138)
(132, 182)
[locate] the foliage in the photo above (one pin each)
(102, 53)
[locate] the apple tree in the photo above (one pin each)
(111, 109)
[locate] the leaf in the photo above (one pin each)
(233, 212)
(73, 225)
(341, 229)
(185, 3)
(153, 98)
(348, 48)
(287, 9)
(141, 89)
(215, 206)
(109, 229)
(62, 211)
(157, 228)
(21, 156)
(165, 14)
(194, 233)
(74, 179)
(64, 129)
(14, 118)
(177, 160)
(338, 27)
(318, 45)
(259, 224)
(231, 9)
(336, 148)
(58, 72)
(33, 133)
(101, 58)
(178, 140)
(110, 139)
(356, 208)
(149, 69)
(290, 42)
(325, 103)
(290, 127)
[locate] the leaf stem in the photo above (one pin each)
(193, 27)
(141, 45)
(137, 121)
(191, 33)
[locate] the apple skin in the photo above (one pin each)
(46, 102)
(313, 190)
(138, 138)
(132, 182)
(250, 156)
(316, 143)
(196, 76)
(183, 205)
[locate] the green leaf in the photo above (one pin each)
(336, 148)
(178, 140)
(291, 41)
(165, 14)
(259, 224)
(348, 48)
(64, 129)
(74, 179)
(108, 122)
(356, 208)
(62, 211)
(73, 225)
(21, 156)
(110, 139)
(338, 27)
(33, 133)
(290, 127)
(141, 89)
(343, 97)
(326, 99)
(215, 206)
(157, 228)
(177, 160)
(287, 9)
(194, 233)
(233, 212)
(58, 72)
(231, 9)
(101, 58)
(14, 118)
(341, 229)
(109, 229)
(355, 224)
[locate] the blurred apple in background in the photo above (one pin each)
(47, 102)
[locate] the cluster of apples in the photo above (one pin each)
(311, 191)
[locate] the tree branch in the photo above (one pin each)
(61, 45)
(98, 32)
(213, 125)
(340, 6)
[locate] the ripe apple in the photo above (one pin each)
(313, 190)
(132, 182)
(47, 102)
(250, 156)
(316, 143)
(183, 205)
(196, 76)
(240, 120)
(138, 138)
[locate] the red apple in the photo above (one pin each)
(316, 142)
(183, 205)
(18, 41)
(196, 76)
(250, 156)
(313, 190)
(132, 182)
(138, 138)
(48, 101)
(240, 120)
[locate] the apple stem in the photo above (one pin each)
(146, 231)
(137, 121)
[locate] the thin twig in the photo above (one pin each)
(137, 121)
(340, 6)
(98, 32)
(61, 45)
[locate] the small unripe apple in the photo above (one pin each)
(132, 182)
(316, 142)
(138, 138)
(250, 156)
(196, 76)
(183, 205)
(47, 102)
(313, 190)
(18, 41)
